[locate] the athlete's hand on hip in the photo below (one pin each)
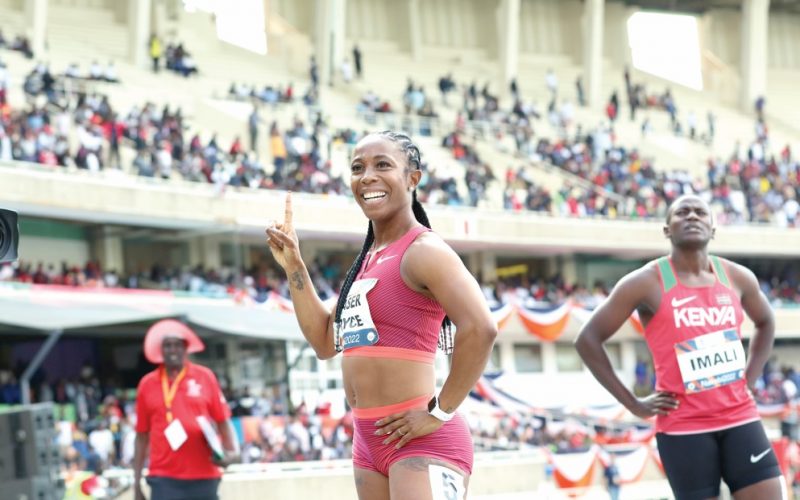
(282, 239)
(658, 403)
(405, 426)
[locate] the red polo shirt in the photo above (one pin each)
(198, 393)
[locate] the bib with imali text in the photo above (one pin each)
(711, 360)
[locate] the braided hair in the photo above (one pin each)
(413, 157)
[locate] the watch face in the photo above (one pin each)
(432, 404)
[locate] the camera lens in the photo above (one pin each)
(5, 241)
(9, 235)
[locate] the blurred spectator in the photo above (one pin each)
(551, 81)
(611, 475)
(347, 71)
(579, 91)
(154, 49)
(101, 441)
(357, 61)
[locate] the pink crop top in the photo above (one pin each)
(383, 317)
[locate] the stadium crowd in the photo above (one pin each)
(77, 126)
(752, 185)
(533, 291)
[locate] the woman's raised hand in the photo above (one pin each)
(282, 239)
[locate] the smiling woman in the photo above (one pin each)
(394, 310)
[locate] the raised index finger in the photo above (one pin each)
(287, 217)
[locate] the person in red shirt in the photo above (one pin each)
(173, 402)
(692, 306)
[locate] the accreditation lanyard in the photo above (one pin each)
(169, 391)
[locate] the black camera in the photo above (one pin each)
(9, 236)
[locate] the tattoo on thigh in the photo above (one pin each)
(297, 280)
(417, 464)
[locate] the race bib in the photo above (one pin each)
(357, 328)
(711, 360)
(175, 434)
(446, 484)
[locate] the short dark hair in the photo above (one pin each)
(682, 197)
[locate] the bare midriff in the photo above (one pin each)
(371, 382)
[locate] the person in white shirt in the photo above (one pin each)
(102, 441)
(790, 208)
(72, 71)
(64, 435)
(127, 442)
(5, 146)
(347, 71)
(551, 80)
(164, 162)
(95, 71)
(4, 78)
(111, 73)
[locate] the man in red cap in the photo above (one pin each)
(177, 405)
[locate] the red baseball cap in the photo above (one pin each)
(169, 328)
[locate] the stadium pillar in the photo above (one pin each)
(506, 357)
(212, 257)
(627, 55)
(628, 357)
(509, 43)
(329, 37)
(753, 68)
(567, 267)
(36, 362)
(339, 33)
(233, 368)
(36, 15)
(593, 51)
(414, 31)
(549, 357)
(158, 18)
(488, 267)
(107, 248)
(195, 251)
(474, 264)
(138, 31)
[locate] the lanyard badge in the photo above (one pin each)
(169, 390)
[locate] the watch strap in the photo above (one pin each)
(437, 412)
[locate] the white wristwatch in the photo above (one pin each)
(437, 412)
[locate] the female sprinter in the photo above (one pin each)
(394, 309)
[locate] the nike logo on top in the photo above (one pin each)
(385, 258)
(679, 302)
(756, 458)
